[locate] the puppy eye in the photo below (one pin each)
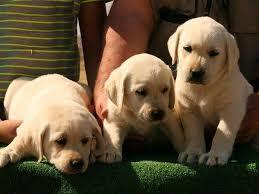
(84, 140)
(61, 141)
(141, 92)
(164, 90)
(188, 48)
(213, 53)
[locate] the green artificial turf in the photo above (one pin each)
(142, 172)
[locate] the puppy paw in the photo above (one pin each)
(111, 156)
(189, 156)
(213, 159)
(4, 158)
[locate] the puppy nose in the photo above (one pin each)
(196, 75)
(157, 114)
(77, 164)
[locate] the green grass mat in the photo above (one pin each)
(143, 172)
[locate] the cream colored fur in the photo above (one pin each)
(129, 111)
(53, 109)
(220, 100)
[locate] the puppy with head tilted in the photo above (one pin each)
(140, 99)
(210, 89)
(56, 123)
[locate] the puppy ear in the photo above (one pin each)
(232, 52)
(98, 144)
(39, 141)
(32, 138)
(115, 86)
(172, 44)
(171, 92)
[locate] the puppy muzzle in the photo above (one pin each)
(196, 76)
(156, 115)
(75, 166)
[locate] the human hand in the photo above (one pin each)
(8, 130)
(100, 102)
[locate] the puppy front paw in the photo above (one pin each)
(212, 158)
(190, 156)
(4, 158)
(112, 155)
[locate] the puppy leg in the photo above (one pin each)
(174, 132)
(16, 150)
(28, 142)
(225, 136)
(194, 137)
(114, 136)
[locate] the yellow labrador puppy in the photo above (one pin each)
(210, 89)
(140, 99)
(56, 123)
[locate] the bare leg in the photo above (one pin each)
(250, 124)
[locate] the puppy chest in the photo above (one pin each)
(152, 135)
(208, 112)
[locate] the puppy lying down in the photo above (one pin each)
(140, 99)
(210, 89)
(56, 123)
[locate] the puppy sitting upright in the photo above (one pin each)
(56, 123)
(140, 98)
(210, 89)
